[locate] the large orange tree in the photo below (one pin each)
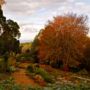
(63, 39)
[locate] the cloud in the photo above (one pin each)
(29, 31)
(43, 9)
(32, 28)
(30, 6)
(32, 15)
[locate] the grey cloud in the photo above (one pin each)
(28, 12)
(31, 28)
(30, 6)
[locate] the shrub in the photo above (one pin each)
(11, 69)
(46, 76)
(9, 84)
(40, 71)
(23, 57)
(31, 68)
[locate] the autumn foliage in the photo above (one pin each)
(63, 40)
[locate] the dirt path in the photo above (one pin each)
(20, 76)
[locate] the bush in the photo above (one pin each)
(9, 84)
(44, 74)
(11, 69)
(31, 68)
(40, 71)
(23, 57)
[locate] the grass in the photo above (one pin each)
(9, 84)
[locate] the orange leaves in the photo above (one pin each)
(63, 39)
(2, 2)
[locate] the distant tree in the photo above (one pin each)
(63, 39)
(34, 49)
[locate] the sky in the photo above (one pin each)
(32, 15)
